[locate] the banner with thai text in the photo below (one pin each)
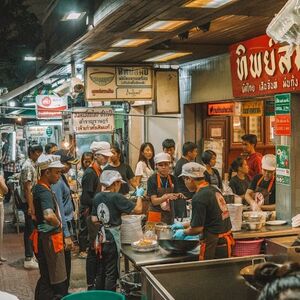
(261, 67)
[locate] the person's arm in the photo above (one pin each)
(193, 230)
(51, 218)
(249, 196)
(158, 200)
(138, 180)
(3, 186)
(138, 209)
(268, 207)
(131, 177)
(29, 199)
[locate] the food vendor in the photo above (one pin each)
(210, 216)
(162, 190)
(261, 193)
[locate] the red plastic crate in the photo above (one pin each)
(247, 247)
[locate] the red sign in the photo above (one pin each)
(261, 67)
(50, 106)
(283, 125)
(218, 109)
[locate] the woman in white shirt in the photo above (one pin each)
(145, 166)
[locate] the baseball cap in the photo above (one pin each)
(101, 148)
(47, 161)
(108, 177)
(66, 157)
(162, 157)
(268, 162)
(193, 170)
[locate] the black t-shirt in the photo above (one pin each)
(152, 184)
(209, 210)
(42, 199)
(90, 186)
(239, 186)
(264, 184)
(214, 179)
(181, 186)
(126, 173)
(111, 206)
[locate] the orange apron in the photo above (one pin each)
(215, 245)
(156, 213)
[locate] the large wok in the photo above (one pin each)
(178, 246)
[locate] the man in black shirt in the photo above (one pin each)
(48, 237)
(210, 215)
(90, 186)
(108, 206)
(189, 153)
(261, 192)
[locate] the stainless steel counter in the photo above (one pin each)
(157, 257)
(266, 232)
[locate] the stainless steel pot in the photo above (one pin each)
(163, 231)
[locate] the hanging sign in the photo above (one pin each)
(283, 125)
(252, 108)
(93, 120)
(220, 109)
(282, 104)
(50, 106)
(259, 66)
(118, 82)
(283, 164)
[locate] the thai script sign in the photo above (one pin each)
(252, 108)
(93, 120)
(282, 114)
(218, 109)
(50, 106)
(119, 82)
(260, 67)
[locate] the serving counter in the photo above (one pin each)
(267, 232)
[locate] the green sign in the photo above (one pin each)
(49, 131)
(282, 104)
(283, 164)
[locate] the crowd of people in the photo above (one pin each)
(165, 189)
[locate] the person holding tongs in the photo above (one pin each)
(162, 190)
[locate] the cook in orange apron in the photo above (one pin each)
(165, 211)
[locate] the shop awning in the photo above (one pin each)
(27, 86)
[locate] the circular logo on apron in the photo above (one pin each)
(103, 213)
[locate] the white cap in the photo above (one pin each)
(193, 170)
(108, 177)
(268, 162)
(47, 161)
(101, 148)
(162, 157)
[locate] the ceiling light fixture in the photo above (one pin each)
(12, 103)
(101, 56)
(167, 56)
(169, 25)
(206, 3)
(73, 15)
(32, 58)
(130, 42)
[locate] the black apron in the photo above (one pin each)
(265, 192)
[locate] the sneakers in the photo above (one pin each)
(31, 264)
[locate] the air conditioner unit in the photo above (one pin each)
(285, 27)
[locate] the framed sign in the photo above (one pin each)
(167, 92)
(118, 83)
(50, 106)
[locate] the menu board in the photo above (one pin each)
(216, 145)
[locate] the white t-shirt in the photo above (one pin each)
(143, 170)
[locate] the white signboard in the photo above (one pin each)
(50, 106)
(93, 120)
(36, 131)
(120, 82)
(217, 146)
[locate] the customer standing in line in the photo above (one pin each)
(254, 158)
(212, 175)
(28, 179)
(189, 153)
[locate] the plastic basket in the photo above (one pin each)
(95, 295)
(248, 247)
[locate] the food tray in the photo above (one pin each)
(153, 246)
